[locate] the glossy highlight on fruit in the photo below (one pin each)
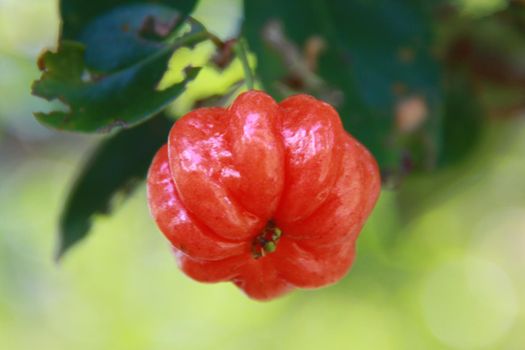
(268, 196)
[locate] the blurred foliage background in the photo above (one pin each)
(440, 265)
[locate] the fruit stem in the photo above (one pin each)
(241, 51)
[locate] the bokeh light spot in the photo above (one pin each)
(468, 303)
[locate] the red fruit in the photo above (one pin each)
(269, 196)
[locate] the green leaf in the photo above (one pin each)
(118, 38)
(77, 14)
(98, 103)
(463, 118)
(376, 54)
(118, 165)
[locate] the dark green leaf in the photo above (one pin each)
(117, 39)
(376, 53)
(98, 103)
(463, 118)
(118, 165)
(77, 14)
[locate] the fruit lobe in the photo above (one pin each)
(268, 196)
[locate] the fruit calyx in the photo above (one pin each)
(266, 242)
